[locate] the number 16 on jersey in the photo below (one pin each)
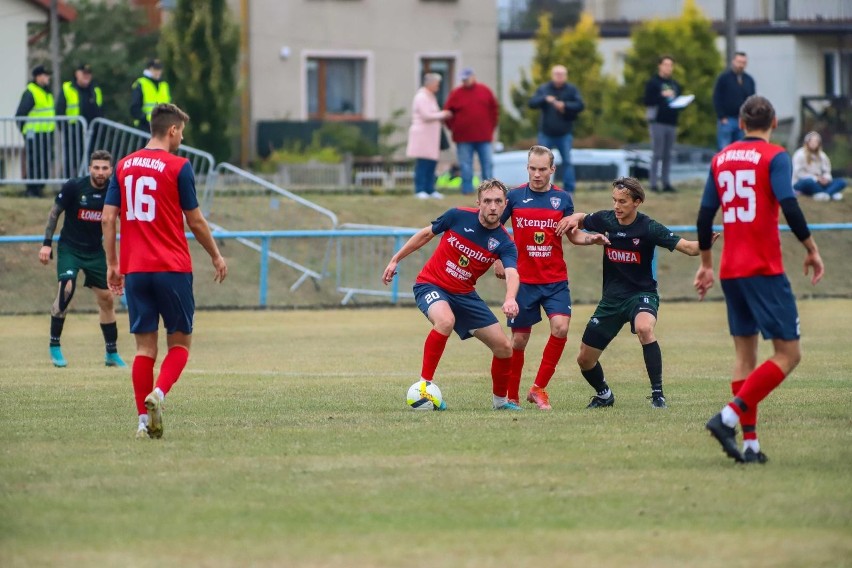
(140, 202)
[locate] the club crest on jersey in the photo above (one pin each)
(463, 261)
(555, 202)
(636, 242)
(538, 237)
(492, 243)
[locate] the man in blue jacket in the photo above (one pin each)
(731, 90)
(560, 103)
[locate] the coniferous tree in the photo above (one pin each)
(200, 47)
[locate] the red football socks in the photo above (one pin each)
(549, 359)
(171, 368)
(758, 385)
(432, 351)
(500, 369)
(142, 375)
(515, 373)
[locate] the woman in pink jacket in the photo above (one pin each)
(424, 136)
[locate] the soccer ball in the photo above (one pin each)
(425, 395)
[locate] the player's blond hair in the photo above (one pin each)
(491, 184)
(540, 151)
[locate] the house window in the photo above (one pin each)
(335, 88)
(443, 66)
(838, 73)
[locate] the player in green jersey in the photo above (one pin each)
(629, 286)
(80, 248)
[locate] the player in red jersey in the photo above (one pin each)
(535, 209)
(473, 239)
(750, 180)
(153, 191)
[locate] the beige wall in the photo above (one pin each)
(390, 34)
(14, 17)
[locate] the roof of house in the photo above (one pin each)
(66, 12)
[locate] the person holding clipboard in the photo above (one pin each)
(663, 102)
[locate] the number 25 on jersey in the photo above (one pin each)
(140, 202)
(738, 184)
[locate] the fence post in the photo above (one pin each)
(264, 270)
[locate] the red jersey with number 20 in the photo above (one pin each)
(752, 242)
(152, 204)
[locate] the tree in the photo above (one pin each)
(108, 38)
(199, 48)
(576, 48)
(690, 39)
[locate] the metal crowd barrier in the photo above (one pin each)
(38, 158)
(300, 214)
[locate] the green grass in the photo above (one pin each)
(287, 443)
(28, 287)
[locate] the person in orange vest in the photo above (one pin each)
(37, 102)
(79, 97)
(149, 90)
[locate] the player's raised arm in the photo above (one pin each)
(570, 223)
(578, 237)
(417, 241)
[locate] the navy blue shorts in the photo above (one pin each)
(154, 294)
(470, 310)
(554, 298)
(764, 303)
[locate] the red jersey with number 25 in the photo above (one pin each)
(152, 225)
(752, 242)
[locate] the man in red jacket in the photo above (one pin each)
(474, 119)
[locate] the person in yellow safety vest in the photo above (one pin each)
(37, 102)
(149, 90)
(451, 179)
(79, 97)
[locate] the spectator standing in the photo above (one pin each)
(78, 97)
(424, 136)
(474, 117)
(149, 90)
(812, 171)
(37, 103)
(733, 86)
(560, 103)
(660, 91)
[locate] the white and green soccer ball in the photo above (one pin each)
(425, 395)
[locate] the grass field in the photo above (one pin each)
(287, 443)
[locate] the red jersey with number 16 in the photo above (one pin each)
(752, 242)
(152, 204)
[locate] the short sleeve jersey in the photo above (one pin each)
(153, 188)
(83, 206)
(744, 184)
(466, 251)
(628, 259)
(534, 217)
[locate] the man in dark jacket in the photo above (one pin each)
(660, 91)
(560, 103)
(731, 90)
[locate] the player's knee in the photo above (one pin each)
(63, 297)
(645, 332)
(559, 329)
(520, 340)
(502, 350)
(585, 361)
(444, 325)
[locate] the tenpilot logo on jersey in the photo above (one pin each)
(492, 243)
(555, 202)
(538, 237)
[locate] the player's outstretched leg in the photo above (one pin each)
(654, 365)
(549, 360)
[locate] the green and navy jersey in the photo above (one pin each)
(627, 260)
(83, 206)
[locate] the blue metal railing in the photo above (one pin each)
(399, 236)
